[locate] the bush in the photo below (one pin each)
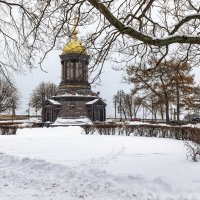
(192, 151)
(5, 130)
(193, 145)
(192, 135)
(88, 129)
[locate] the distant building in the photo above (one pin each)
(75, 98)
(192, 117)
(193, 111)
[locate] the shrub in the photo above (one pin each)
(193, 145)
(88, 129)
(5, 130)
(192, 135)
(192, 151)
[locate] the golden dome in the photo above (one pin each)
(74, 45)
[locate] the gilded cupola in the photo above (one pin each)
(74, 45)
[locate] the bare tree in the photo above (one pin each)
(133, 30)
(132, 104)
(129, 103)
(153, 104)
(152, 81)
(183, 83)
(42, 92)
(9, 96)
(170, 82)
(119, 103)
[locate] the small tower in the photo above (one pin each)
(74, 64)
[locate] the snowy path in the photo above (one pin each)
(37, 179)
(45, 166)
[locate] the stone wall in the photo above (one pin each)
(73, 109)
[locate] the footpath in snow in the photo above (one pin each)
(63, 163)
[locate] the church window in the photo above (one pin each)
(68, 71)
(77, 70)
(72, 106)
(84, 73)
(71, 71)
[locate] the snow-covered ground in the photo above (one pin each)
(64, 164)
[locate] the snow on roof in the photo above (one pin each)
(92, 102)
(74, 95)
(53, 102)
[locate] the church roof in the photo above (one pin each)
(95, 101)
(74, 45)
(74, 95)
(92, 102)
(54, 102)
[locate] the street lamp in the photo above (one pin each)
(115, 107)
(120, 92)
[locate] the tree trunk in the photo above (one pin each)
(167, 111)
(124, 112)
(155, 116)
(162, 113)
(177, 103)
(131, 115)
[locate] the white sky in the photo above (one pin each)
(111, 81)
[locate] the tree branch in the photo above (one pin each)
(147, 39)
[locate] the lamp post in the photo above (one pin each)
(120, 92)
(115, 108)
(36, 111)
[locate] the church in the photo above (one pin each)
(75, 98)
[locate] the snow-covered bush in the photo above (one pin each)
(192, 151)
(6, 130)
(110, 128)
(88, 128)
(193, 145)
(190, 134)
(147, 130)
